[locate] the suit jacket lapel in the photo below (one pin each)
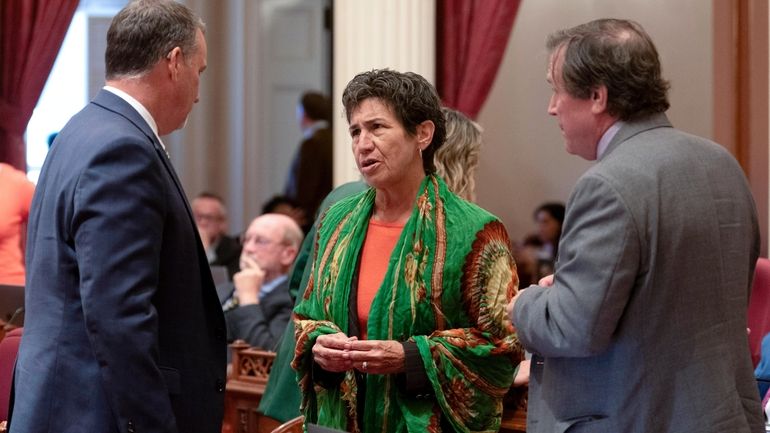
(167, 163)
(170, 168)
(116, 104)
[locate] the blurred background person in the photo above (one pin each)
(257, 301)
(286, 206)
(211, 219)
(310, 173)
(549, 218)
(456, 162)
(399, 336)
(16, 192)
(537, 254)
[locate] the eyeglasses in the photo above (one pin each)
(260, 241)
(210, 217)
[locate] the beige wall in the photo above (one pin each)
(523, 162)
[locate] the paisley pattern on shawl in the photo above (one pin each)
(450, 277)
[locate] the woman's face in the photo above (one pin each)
(385, 153)
(548, 227)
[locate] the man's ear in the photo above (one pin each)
(175, 60)
(599, 99)
(288, 255)
(425, 132)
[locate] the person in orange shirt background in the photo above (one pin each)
(16, 193)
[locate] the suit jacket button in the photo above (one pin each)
(220, 386)
(130, 427)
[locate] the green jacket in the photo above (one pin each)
(282, 397)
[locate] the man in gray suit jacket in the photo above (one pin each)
(123, 329)
(643, 327)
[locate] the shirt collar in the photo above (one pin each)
(139, 108)
(271, 285)
(604, 142)
(315, 126)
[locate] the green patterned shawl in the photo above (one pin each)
(450, 277)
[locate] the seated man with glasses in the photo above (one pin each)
(211, 219)
(257, 303)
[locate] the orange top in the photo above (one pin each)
(378, 246)
(15, 197)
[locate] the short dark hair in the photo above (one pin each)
(615, 53)
(316, 106)
(411, 97)
(555, 209)
(272, 204)
(211, 195)
(216, 197)
(144, 32)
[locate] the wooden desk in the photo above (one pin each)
(247, 381)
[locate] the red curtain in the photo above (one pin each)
(471, 40)
(31, 33)
(759, 309)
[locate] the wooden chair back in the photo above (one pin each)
(246, 383)
(9, 347)
(291, 426)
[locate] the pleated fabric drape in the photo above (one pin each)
(31, 33)
(471, 40)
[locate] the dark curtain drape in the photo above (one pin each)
(471, 40)
(31, 33)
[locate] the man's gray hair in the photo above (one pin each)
(146, 31)
(615, 53)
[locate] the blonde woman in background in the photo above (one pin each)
(457, 160)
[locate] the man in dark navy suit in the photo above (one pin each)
(123, 328)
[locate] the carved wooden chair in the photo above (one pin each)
(245, 387)
(9, 347)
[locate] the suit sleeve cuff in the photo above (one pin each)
(326, 379)
(414, 380)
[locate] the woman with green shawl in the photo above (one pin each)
(402, 325)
